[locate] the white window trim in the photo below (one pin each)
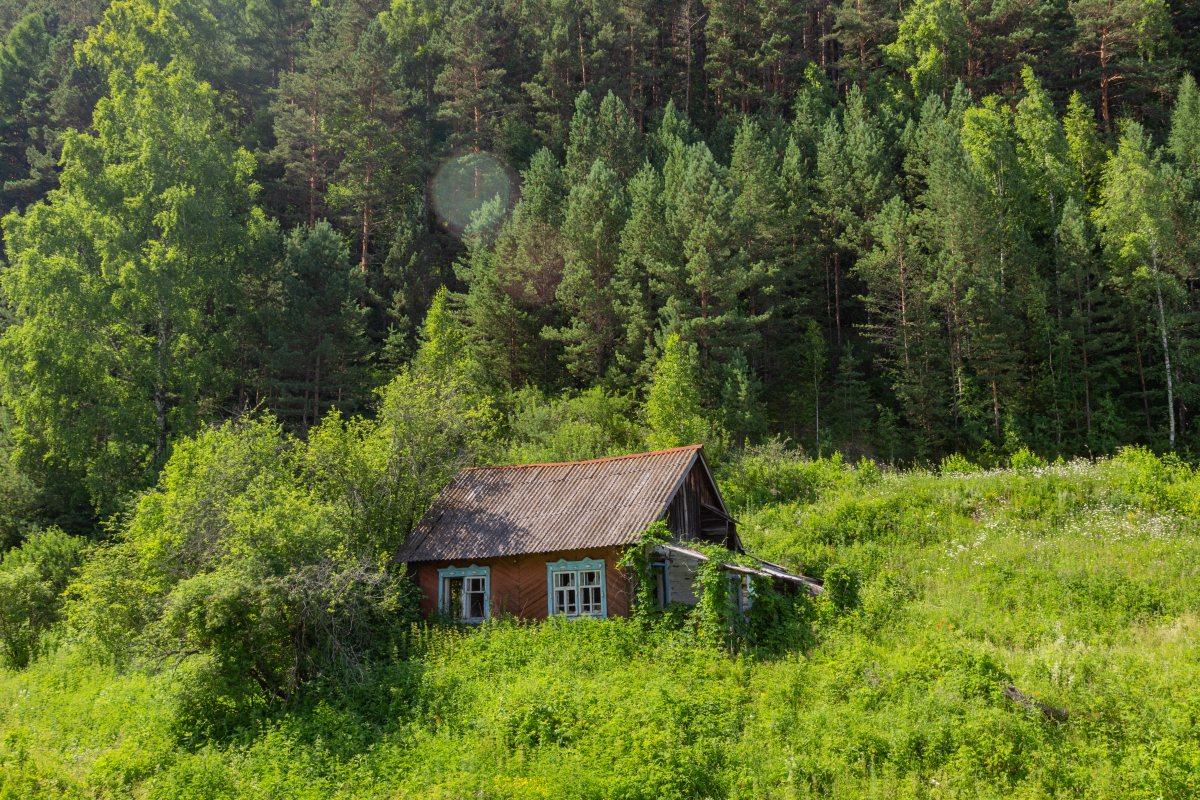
(586, 565)
(466, 572)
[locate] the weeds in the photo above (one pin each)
(1077, 582)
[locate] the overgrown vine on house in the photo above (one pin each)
(646, 610)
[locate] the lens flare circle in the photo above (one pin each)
(472, 192)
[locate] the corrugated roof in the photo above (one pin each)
(543, 508)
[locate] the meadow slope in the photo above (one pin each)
(1076, 582)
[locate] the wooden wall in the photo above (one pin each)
(683, 515)
(519, 582)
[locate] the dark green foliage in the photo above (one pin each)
(317, 332)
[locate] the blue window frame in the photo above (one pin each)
(465, 593)
(577, 588)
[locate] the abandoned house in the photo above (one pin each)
(535, 540)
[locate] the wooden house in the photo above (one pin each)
(534, 540)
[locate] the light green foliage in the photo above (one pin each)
(956, 464)
(1087, 154)
(647, 609)
(1185, 128)
(1133, 214)
(930, 44)
(32, 577)
(117, 280)
(593, 424)
(672, 405)
(771, 473)
(1136, 230)
(133, 33)
(1073, 582)
(1023, 459)
(443, 346)
(29, 607)
(261, 561)
(428, 429)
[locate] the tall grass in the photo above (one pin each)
(1079, 583)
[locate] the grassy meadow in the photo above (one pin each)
(1077, 582)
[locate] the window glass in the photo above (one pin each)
(577, 588)
(564, 591)
(452, 594)
(589, 600)
(463, 592)
(476, 599)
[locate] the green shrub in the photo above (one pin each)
(1024, 459)
(28, 606)
(1074, 582)
(32, 578)
(956, 464)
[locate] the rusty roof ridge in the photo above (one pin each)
(590, 461)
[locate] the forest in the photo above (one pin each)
(920, 277)
(893, 232)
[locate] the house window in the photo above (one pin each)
(577, 588)
(661, 589)
(464, 593)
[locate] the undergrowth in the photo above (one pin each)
(1077, 583)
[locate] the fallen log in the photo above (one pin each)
(1018, 697)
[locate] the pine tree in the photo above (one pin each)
(641, 255)
(1184, 139)
(21, 57)
(757, 217)
(372, 134)
(405, 285)
(862, 27)
(596, 214)
(1087, 154)
(853, 184)
(732, 36)
(608, 133)
(700, 281)
(302, 106)
(815, 352)
(319, 338)
(902, 323)
(513, 282)
(1118, 38)
(743, 413)
(471, 83)
(851, 393)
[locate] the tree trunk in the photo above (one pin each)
(1162, 328)
(160, 391)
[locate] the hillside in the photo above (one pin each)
(1075, 582)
